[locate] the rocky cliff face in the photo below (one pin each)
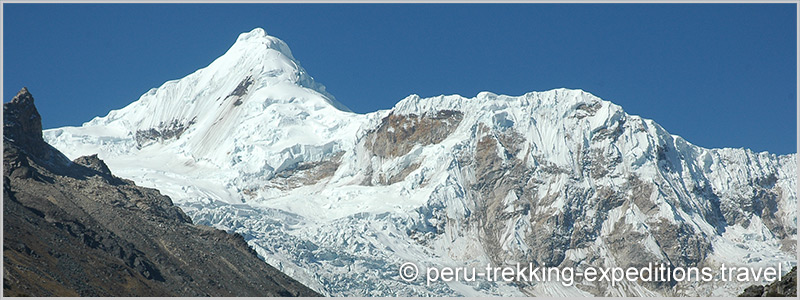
(564, 179)
(75, 229)
(786, 287)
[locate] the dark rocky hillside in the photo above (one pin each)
(786, 287)
(74, 229)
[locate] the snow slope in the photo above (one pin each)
(340, 200)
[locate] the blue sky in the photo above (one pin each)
(720, 75)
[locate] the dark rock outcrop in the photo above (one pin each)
(786, 287)
(22, 121)
(74, 229)
(94, 163)
(163, 132)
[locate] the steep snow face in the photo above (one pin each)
(340, 200)
(252, 112)
(211, 114)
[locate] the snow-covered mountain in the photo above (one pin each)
(340, 200)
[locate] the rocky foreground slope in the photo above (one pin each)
(786, 287)
(340, 200)
(74, 229)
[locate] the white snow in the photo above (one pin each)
(344, 238)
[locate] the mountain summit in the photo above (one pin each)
(207, 115)
(339, 200)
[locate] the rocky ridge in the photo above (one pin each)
(72, 228)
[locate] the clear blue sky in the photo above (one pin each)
(720, 75)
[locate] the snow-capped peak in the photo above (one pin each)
(257, 37)
(257, 83)
(256, 33)
(561, 177)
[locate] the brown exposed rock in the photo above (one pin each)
(402, 174)
(398, 134)
(306, 173)
(583, 110)
(578, 222)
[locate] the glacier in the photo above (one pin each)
(339, 200)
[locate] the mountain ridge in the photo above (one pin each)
(558, 178)
(72, 228)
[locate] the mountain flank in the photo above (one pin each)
(72, 228)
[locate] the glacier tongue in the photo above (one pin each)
(340, 200)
